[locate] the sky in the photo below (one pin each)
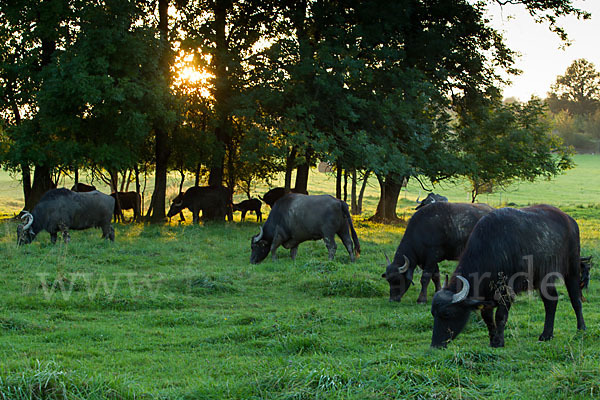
(542, 58)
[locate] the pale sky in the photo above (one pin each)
(542, 59)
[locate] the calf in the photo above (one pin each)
(249, 205)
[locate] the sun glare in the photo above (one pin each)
(190, 77)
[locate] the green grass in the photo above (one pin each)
(178, 312)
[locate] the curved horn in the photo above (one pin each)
(27, 215)
(404, 267)
(260, 235)
(460, 296)
(387, 258)
(418, 197)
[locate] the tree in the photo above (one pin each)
(509, 142)
(577, 91)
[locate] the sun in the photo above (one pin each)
(189, 76)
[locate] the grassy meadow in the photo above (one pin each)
(178, 312)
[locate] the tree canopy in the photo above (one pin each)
(401, 89)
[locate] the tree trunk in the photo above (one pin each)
(42, 182)
(338, 181)
(362, 191)
(161, 149)
(76, 175)
(197, 176)
(289, 167)
(182, 174)
(302, 178)
(345, 186)
(353, 200)
(388, 200)
(222, 92)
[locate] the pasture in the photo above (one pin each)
(178, 312)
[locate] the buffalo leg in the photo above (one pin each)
(487, 314)
(436, 278)
(108, 232)
(293, 252)
(277, 241)
(53, 237)
(428, 272)
(550, 299)
(258, 215)
(331, 246)
(347, 240)
(501, 318)
(66, 236)
(181, 217)
(196, 217)
(574, 291)
(243, 215)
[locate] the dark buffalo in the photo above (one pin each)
(249, 205)
(61, 209)
(127, 201)
(82, 187)
(296, 218)
(213, 201)
(276, 193)
(430, 199)
(434, 233)
(510, 251)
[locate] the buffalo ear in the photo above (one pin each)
(478, 304)
(383, 275)
(409, 275)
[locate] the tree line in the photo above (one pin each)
(401, 90)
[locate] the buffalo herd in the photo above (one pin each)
(500, 252)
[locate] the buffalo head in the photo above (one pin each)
(25, 234)
(451, 312)
(430, 199)
(260, 248)
(399, 278)
(176, 206)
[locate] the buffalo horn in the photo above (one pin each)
(418, 197)
(404, 267)
(260, 235)
(387, 258)
(460, 296)
(27, 215)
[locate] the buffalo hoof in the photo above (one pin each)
(497, 342)
(545, 337)
(422, 300)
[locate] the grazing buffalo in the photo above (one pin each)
(127, 201)
(276, 193)
(296, 218)
(82, 187)
(430, 199)
(249, 205)
(435, 233)
(213, 201)
(61, 209)
(510, 251)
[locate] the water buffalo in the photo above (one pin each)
(430, 199)
(296, 218)
(434, 233)
(127, 201)
(510, 251)
(61, 209)
(213, 201)
(276, 193)
(249, 205)
(82, 187)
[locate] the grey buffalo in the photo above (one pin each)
(296, 218)
(434, 233)
(61, 210)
